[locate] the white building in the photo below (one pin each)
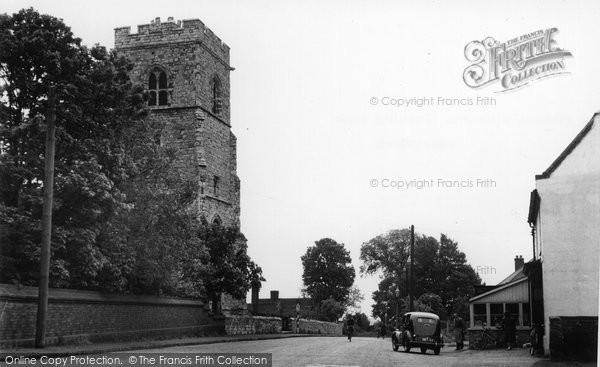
(565, 216)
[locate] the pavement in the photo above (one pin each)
(100, 348)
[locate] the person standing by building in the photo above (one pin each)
(459, 332)
(509, 325)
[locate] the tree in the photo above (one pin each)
(430, 302)
(385, 299)
(453, 278)
(330, 310)
(361, 321)
(123, 219)
(439, 269)
(387, 253)
(96, 106)
(228, 268)
(328, 272)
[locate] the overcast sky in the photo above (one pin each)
(312, 137)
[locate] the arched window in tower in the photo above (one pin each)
(217, 220)
(158, 88)
(216, 95)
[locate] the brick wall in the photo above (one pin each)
(574, 337)
(245, 325)
(84, 316)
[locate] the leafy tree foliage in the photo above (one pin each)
(121, 217)
(429, 302)
(440, 270)
(330, 310)
(328, 272)
(361, 322)
(229, 268)
(96, 108)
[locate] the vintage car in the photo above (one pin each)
(419, 330)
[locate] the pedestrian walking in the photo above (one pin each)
(350, 324)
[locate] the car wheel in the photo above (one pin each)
(395, 346)
(436, 351)
(423, 350)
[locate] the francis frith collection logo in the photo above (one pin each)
(516, 62)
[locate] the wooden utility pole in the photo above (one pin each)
(412, 265)
(40, 331)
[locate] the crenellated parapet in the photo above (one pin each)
(157, 33)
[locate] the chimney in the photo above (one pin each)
(274, 295)
(519, 262)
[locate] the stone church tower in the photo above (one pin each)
(185, 69)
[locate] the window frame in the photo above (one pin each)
(158, 87)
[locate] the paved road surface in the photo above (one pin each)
(337, 351)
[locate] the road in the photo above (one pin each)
(337, 351)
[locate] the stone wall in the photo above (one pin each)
(233, 306)
(246, 325)
(318, 327)
(83, 317)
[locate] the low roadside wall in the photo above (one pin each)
(319, 327)
(83, 316)
(246, 325)
(521, 336)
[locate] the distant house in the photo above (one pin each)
(512, 295)
(564, 214)
(286, 308)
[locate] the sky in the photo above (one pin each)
(322, 139)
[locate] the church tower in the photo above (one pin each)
(184, 68)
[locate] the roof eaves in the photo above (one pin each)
(568, 149)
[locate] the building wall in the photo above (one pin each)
(516, 293)
(192, 56)
(569, 234)
(83, 317)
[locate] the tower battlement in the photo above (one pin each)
(157, 32)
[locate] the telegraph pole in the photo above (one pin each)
(40, 331)
(412, 262)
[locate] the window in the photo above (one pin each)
(479, 314)
(526, 316)
(513, 309)
(496, 313)
(216, 97)
(216, 186)
(217, 220)
(158, 88)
